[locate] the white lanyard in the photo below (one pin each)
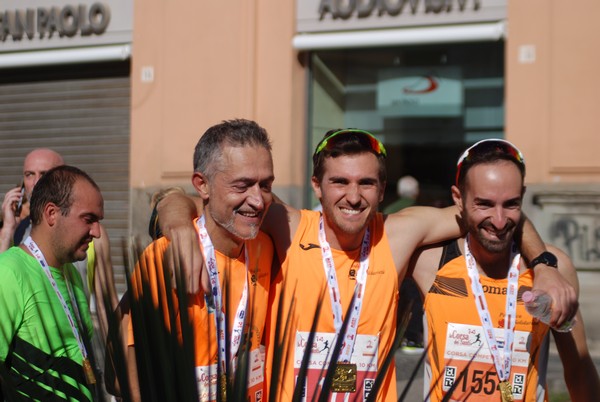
(238, 324)
(37, 253)
(502, 361)
(334, 291)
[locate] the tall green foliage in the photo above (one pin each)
(165, 357)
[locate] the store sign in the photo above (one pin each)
(30, 25)
(365, 8)
(68, 21)
(420, 92)
(349, 15)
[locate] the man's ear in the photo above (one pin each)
(316, 185)
(50, 213)
(457, 198)
(200, 183)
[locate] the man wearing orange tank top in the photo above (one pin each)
(482, 343)
(348, 255)
(233, 174)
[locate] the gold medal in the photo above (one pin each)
(506, 391)
(90, 378)
(344, 378)
(223, 386)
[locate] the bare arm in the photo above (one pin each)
(415, 227)
(10, 221)
(134, 385)
(425, 225)
(5, 239)
(424, 266)
(104, 283)
(580, 372)
(281, 223)
(549, 279)
(176, 212)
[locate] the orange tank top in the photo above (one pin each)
(301, 286)
(458, 349)
(260, 254)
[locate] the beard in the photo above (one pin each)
(229, 225)
(493, 245)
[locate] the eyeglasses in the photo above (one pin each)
(376, 145)
(489, 146)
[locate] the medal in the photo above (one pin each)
(223, 386)
(75, 320)
(501, 356)
(344, 378)
(506, 391)
(90, 378)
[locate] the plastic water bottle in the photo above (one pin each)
(540, 306)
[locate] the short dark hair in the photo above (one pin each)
(237, 132)
(56, 186)
(351, 142)
(484, 152)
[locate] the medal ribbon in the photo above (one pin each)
(502, 359)
(37, 253)
(334, 292)
(208, 250)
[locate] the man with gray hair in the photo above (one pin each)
(233, 175)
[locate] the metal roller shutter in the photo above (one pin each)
(82, 112)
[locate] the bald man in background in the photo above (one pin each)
(16, 225)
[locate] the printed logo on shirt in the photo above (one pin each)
(308, 246)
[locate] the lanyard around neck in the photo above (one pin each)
(208, 250)
(502, 359)
(39, 256)
(334, 291)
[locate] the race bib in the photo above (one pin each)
(206, 378)
(364, 359)
(479, 378)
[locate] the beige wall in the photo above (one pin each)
(552, 103)
(212, 61)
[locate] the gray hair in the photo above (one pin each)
(237, 132)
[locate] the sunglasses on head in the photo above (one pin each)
(329, 141)
(491, 146)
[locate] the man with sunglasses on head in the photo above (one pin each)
(348, 255)
(483, 344)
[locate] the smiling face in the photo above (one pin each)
(491, 204)
(237, 195)
(350, 193)
(73, 232)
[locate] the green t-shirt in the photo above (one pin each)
(39, 354)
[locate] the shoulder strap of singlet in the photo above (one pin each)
(449, 252)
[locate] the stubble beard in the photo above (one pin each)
(493, 246)
(350, 229)
(229, 226)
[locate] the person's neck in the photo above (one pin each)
(492, 265)
(222, 240)
(44, 246)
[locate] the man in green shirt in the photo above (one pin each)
(45, 324)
